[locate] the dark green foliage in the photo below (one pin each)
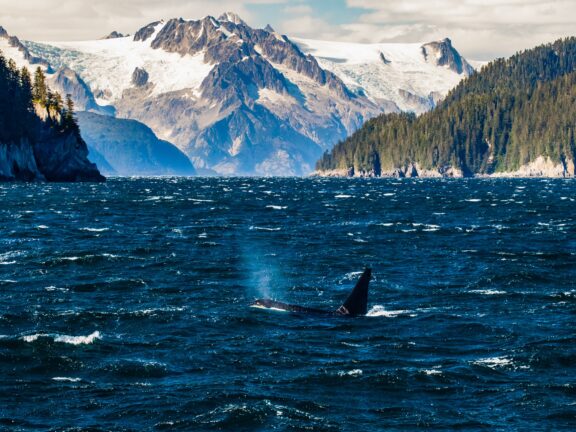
(68, 118)
(40, 89)
(18, 94)
(17, 118)
(497, 120)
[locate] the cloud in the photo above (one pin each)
(480, 29)
(89, 19)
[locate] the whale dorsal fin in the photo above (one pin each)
(357, 302)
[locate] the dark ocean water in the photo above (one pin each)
(125, 306)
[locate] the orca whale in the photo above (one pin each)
(355, 305)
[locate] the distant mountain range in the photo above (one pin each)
(516, 117)
(238, 100)
(39, 136)
(130, 148)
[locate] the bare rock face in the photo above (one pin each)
(231, 17)
(261, 106)
(140, 77)
(146, 32)
(115, 35)
(417, 101)
(65, 81)
(232, 129)
(442, 53)
(17, 162)
(543, 167)
(64, 158)
(56, 157)
(13, 41)
(384, 59)
(229, 42)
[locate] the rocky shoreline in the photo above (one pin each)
(541, 167)
(54, 158)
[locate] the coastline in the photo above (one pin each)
(541, 167)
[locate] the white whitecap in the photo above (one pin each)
(73, 340)
(432, 371)
(54, 288)
(488, 292)
(78, 340)
(73, 258)
(380, 311)
(67, 379)
(353, 372)
(493, 362)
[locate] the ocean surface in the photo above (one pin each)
(125, 306)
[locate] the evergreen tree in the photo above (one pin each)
(69, 120)
(18, 119)
(40, 89)
(497, 120)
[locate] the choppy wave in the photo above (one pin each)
(97, 230)
(67, 379)
(494, 362)
(135, 314)
(67, 339)
(381, 311)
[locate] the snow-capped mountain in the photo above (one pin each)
(240, 100)
(119, 147)
(237, 100)
(412, 76)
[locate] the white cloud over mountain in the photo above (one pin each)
(481, 29)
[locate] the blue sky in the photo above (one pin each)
(335, 12)
(480, 29)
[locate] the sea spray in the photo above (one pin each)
(264, 278)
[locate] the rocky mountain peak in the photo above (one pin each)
(231, 41)
(115, 35)
(14, 42)
(442, 53)
(232, 17)
(140, 77)
(146, 32)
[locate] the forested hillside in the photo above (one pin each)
(39, 135)
(512, 113)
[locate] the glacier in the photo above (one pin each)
(244, 101)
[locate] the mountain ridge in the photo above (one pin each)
(513, 118)
(251, 100)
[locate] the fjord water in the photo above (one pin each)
(125, 306)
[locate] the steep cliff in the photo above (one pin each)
(39, 138)
(54, 157)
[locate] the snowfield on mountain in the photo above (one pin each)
(244, 101)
